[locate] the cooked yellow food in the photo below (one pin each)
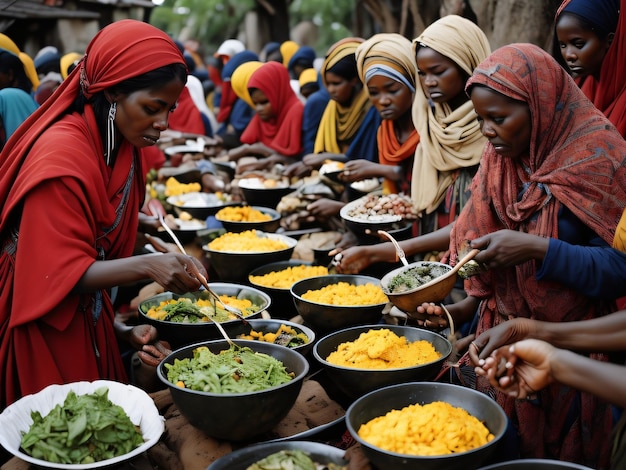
(383, 349)
(242, 214)
(285, 335)
(175, 188)
(186, 310)
(346, 294)
(285, 278)
(436, 428)
(246, 241)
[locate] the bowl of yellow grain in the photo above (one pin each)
(426, 426)
(363, 358)
(335, 301)
(276, 279)
(234, 255)
(238, 218)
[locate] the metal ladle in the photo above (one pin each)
(399, 251)
(157, 210)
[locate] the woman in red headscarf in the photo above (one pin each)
(72, 182)
(274, 135)
(590, 41)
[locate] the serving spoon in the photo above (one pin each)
(399, 251)
(158, 210)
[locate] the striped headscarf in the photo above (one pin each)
(449, 139)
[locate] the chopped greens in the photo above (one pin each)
(415, 277)
(187, 310)
(291, 460)
(85, 429)
(233, 370)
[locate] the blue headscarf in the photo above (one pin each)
(15, 106)
(602, 14)
(304, 56)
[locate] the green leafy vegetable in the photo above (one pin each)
(234, 370)
(292, 459)
(85, 429)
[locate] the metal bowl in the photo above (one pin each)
(282, 300)
(535, 464)
(181, 334)
(242, 459)
(237, 416)
(235, 266)
(271, 326)
(395, 397)
(434, 291)
(257, 195)
(266, 226)
(326, 317)
(186, 231)
(199, 205)
(357, 382)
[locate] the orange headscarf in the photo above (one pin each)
(284, 132)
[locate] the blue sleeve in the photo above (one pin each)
(365, 145)
(311, 117)
(595, 271)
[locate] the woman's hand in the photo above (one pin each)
(509, 248)
(520, 370)
(176, 272)
(510, 331)
(298, 169)
(323, 209)
(431, 316)
(357, 170)
(356, 258)
(314, 160)
(145, 340)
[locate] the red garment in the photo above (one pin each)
(283, 133)
(392, 152)
(186, 117)
(608, 91)
(59, 192)
(577, 161)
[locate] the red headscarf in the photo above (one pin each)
(608, 91)
(49, 333)
(283, 133)
(577, 160)
(186, 117)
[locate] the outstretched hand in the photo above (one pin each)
(505, 333)
(150, 349)
(509, 248)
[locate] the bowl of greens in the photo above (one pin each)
(190, 318)
(128, 420)
(234, 392)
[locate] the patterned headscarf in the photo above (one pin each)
(577, 159)
(449, 139)
(390, 55)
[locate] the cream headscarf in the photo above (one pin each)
(449, 140)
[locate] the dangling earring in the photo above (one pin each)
(111, 131)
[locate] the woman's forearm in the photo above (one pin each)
(439, 240)
(607, 333)
(116, 272)
(604, 380)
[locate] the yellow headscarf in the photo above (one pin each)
(339, 123)
(7, 43)
(387, 50)
(307, 76)
(449, 139)
(619, 241)
(287, 50)
(29, 68)
(67, 60)
(240, 77)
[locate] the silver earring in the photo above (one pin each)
(111, 131)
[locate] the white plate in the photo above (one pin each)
(195, 199)
(137, 404)
(366, 217)
(174, 149)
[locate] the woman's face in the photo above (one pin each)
(391, 98)
(582, 49)
(340, 89)
(141, 116)
(441, 78)
(504, 121)
(262, 104)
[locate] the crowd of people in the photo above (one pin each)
(518, 152)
